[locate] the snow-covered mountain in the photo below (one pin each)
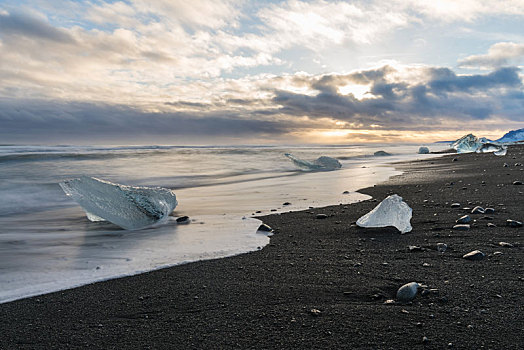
(512, 136)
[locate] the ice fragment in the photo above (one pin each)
(321, 163)
(423, 150)
(392, 211)
(126, 206)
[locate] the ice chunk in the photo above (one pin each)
(392, 211)
(126, 206)
(467, 144)
(498, 150)
(321, 163)
(381, 154)
(423, 150)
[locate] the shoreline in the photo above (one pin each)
(264, 299)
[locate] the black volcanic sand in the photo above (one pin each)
(264, 299)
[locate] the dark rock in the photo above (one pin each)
(286, 203)
(477, 210)
(345, 192)
(513, 223)
(265, 228)
(489, 211)
(381, 154)
(455, 205)
(321, 216)
(474, 255)
(183, 220)
(506, 244)
(407, 292)
(517, 182)
(464, 219)
(441, 247)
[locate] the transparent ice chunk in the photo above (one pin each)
(321, 163)
(467, 144)
(392, 211)
(423, 150)
(498, 150)
(126, 206)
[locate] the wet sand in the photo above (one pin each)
(321, 283)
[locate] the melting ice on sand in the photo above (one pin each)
(392, 211)
(470, 143)
(126, 206)
(321, 163)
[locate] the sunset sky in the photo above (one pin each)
(259, 72)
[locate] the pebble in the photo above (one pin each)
(183, 220)
(441, 247)
(425, 340)
(477, 210)
(315, 312)
(321, 216)
(286, 203)
(513, 223)
(414, 248)
(506, 244)
(407, 292)
(464, 219)
(517, 182)
(461, 227)
(455, 205)
(474, 255)
(489, 211)
(345, 192)
(490, 224)
(265, 228)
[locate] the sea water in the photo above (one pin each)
(47, 243)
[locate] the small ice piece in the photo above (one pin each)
(498, 150)
(392, 211)
(321, 163)
(407, 292)
(467, 144)
(423, 150)
(126, 206)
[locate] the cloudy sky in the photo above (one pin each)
(257, 72)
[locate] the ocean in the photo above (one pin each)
(47, 244)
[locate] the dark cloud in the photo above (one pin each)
(20, 24)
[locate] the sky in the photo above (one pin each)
(259, 72)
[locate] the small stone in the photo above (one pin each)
(497, 253)
(490, 224)
(477, 210)
(489, 211)
(414, 248)
(183, 220)
(345, 192)
(407, 292)
(425, 340)
(389, 301)
(441, 247)
(506, 244)
(464, 219)
(474, 255)
(505, 165)
(321, 216)
(315, 312)
(265, 228)
(286, 203)
(517, 182)
(426, 265)
(513, 223)
(425, 292)
(461, 227)
(455, 205)
(454, 160)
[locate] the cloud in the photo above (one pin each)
(499, 54)
(22, 24)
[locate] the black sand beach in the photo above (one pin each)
(321, 283)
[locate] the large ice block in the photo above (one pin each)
(126, 206)
(392, 211)
(498, 150)
(321, 163)
(467, 144)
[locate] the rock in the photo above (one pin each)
(455, 205)
(517, 182)
(321, 216)
(474, 255)
(506, 165)
(477, 210)
(506, 244)
(315, 312)
(489, 211)
(425, 340)
(461, 227)
(454, 160)
(286, 203)
(381, 154)
(183, 220)
(513, 223)
(345, 192)
(407, 292)
(490, 224)
(265, 228)
(441, 247)
(414, 248)
(464, 219)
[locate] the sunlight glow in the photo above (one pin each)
(359, 91)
